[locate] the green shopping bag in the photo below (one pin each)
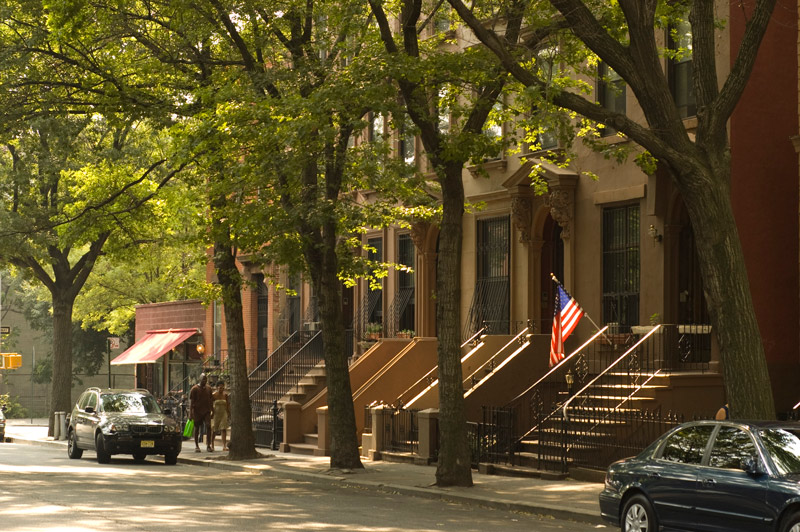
(188, 430)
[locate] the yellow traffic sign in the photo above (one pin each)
(10, 360)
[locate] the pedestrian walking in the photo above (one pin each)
(222, 413)
(200, 402)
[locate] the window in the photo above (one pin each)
(731, 447)
(688, 445)
(621, 267)
(375, 310)
(91, 401)
(407, 147)
(262, 302)
(783, 446)
(443, 112)
(376, 128)
(405, 283)
(217, 328)
(611, 93)
(491, 299)
(680, 69)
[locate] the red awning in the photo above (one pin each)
(153, 346)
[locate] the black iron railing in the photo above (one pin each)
(264, 399)
(400, 430)
(278, 358)
(492, 440)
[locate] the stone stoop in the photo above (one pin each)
(308, 447)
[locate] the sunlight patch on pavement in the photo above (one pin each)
(29, 509)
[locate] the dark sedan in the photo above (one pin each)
(720, 476)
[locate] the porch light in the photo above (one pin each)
(570, 378)
(653, 232)
(201, 349)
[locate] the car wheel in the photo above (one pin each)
(139, 456)
(73, 451)
(639, 516)
(791, 523)
(171, 458)
(103, 456)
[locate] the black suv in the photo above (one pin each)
(122, 422)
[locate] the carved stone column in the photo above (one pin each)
(561, 202)
(561, 207)
(522, 214)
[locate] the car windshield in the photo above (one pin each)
(783, 445)
(130, 402)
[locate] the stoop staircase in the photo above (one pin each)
(293, 372)
(597, 406)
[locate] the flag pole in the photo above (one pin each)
(555, 280)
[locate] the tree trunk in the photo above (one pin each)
(61, 385)
(454, 468)
(324, 267)
(727, 292)
(242, 444)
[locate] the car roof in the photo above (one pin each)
(749, 423)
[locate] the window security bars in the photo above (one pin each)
(621, 267)
(491, 299)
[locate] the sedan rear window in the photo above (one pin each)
(783, 445)
(688, 445)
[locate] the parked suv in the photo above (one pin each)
(122, 422)
(2, 427)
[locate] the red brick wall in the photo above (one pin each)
(764, 192)
(187, 314)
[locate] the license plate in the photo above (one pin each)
(148, 443)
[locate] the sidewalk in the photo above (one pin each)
(563, 499)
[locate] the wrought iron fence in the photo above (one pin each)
(268, 428)
(400, 430)
(493, 439)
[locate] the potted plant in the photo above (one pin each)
(374, 331)
(405, 333)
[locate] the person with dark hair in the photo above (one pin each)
(221, 414)
(200, 402)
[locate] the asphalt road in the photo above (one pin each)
(44, 491)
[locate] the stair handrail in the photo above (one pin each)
(558, 366)
(287, 363)
(542, 379)
(616, 408)
(429, 376)
(473, 337)
(609, 368)
(274, 351)
(517, 339)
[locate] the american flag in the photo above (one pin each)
(565, 318)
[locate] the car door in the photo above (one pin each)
(671, 479)
(87, 419)
(728, 498)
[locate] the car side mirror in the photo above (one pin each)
(89, 410)
(753, 466)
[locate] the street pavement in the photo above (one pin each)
(561, 499)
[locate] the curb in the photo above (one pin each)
(351, 482)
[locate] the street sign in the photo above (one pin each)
(5, 329)
(113, 342)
